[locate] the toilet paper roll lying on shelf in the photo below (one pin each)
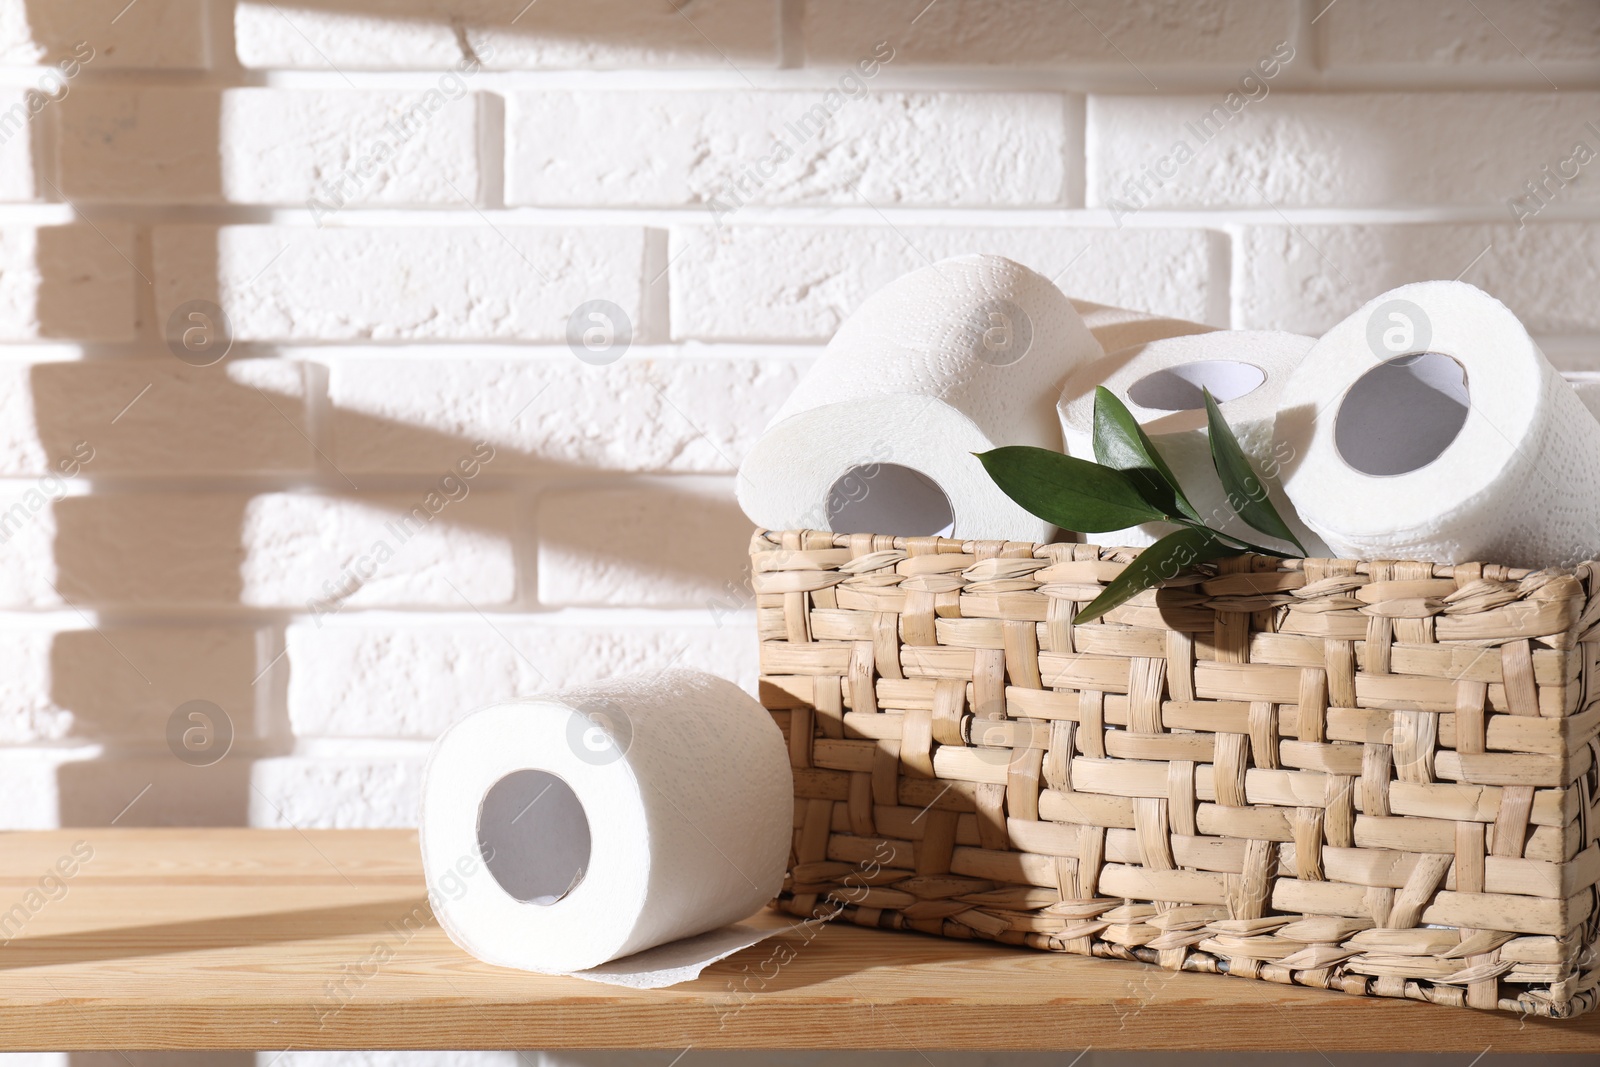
(959, 357)
(1161, 383)
(1429, 426)
(1117, 328)
(613, 831)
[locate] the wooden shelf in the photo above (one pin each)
(212, 939)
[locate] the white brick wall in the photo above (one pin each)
(553, 34)
(1308, 277)
(477, 281)
(797, 283)
(588, 542)
(72, 684)
(717, 148)
(554, 414)
(1036, 32)
(1501, 33)
(1338, 150)
(18, 148)
(292, 551)
(402, 210)
(172, 35)
(152, 417)
(30, 576)
(387, 677)
(270, 146)
(67, 282)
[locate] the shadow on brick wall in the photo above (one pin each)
(160, 571)
(155, 552)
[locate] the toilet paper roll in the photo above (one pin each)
(1161, 383)
(962, 356)
(1117, 328)
(1429, 426)
(613, 831)
(1589, 393)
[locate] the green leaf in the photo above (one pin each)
(1246, 492)
(1167, 558)
(1240, 545)
(1120, 442)
(1074, 494)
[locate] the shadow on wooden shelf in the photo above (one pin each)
(241, 931)
(260, 939)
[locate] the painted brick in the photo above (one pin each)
(674, 544)
(1350, 149)
(380, 789)
(30, 794)
(810, 147)
(1025, 33)
(29, 709)
(269, 146)
(29, 576)
(1442, 33)
(17, 143)
(59, 282)
(1307, 278)
(121, 683)
(355, 678)
(799, 283)
(283, 550)
(147, 549)
(21, 449)
(554, 416)
(156, 33)
(141, 144)
(462, 551)
(157, 416)
(436, 34)
(155, 789)
(486, 282)
(417, 147)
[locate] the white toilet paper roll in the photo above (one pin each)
(1117, 328)
(609, 820)
(960, 357)
(1429, 426)
(1589, 393)
(1161, 383)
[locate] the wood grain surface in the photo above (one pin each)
(267, 939)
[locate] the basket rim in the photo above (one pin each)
(1040, 549)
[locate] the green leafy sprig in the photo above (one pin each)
(1131, 484)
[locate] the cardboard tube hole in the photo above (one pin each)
(887, 498)
(534, 836)
(1180, 388)
(1402, 414)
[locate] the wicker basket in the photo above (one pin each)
(1376, 777)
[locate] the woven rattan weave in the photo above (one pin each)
(1371, 777)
